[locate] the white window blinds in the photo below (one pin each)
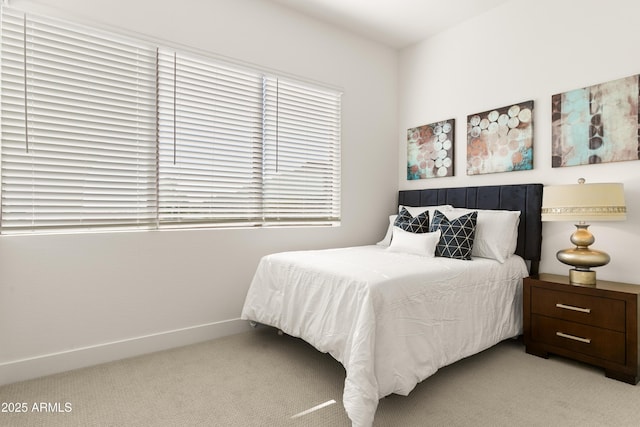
(78, 127)
(210, 117)
(100, 131)
(301, 152)
(237, 145)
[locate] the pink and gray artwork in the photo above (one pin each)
(500, 140)
(430, 150)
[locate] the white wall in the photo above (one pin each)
(68, 301)
(516, 52)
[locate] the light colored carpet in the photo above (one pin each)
(259, 378)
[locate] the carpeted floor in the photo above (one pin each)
(259, 378)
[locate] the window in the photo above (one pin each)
(210, 141)
(78, 127)
(301, 180)
(104, 131)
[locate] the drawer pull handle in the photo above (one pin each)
(573, 337)
(570, 307)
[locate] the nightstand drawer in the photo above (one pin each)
(597, 342)
(605, 313)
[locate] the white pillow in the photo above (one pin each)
(496, 232)
(423, 244)
(414, 211)
(417, 210)
(386, 241)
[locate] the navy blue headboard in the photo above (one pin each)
(526, 198)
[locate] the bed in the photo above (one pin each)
(393, 315)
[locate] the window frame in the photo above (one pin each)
(262, 139)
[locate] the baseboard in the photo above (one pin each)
(47, 364)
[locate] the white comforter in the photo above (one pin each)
(391, 319)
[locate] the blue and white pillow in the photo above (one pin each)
(417, 224)
(496, 232)
(457, 235)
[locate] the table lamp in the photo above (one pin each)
(583, 203)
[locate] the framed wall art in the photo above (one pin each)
(596, 124)
(500, 140)
(430, 150)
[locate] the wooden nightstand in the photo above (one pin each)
(593, 324)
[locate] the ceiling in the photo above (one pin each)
(396, 23)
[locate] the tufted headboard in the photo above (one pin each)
(526, 198)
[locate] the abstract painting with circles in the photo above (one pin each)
(596, 124)
(430, 150)
(500, 140)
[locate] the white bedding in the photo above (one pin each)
(392, 319)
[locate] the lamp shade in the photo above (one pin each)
(584, 202)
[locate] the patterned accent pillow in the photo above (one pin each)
(407, 222)
(457, 236)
